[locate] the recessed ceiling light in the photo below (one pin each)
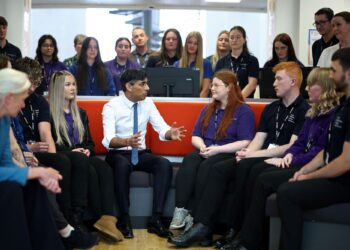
(223, 1)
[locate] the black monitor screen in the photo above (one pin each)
(267, 77)
(173, 82)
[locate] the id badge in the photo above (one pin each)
(272, 145)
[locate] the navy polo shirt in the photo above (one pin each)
(246, 65)
(36, 110)
(319, 45)
(339, 131)
(11, 51)
(290, 121)
(154, 62)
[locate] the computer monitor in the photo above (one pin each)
(267, 77)
(173, 82)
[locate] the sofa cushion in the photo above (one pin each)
(337, 213)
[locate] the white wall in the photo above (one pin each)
(62, 24)
(17, 14)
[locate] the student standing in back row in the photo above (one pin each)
(170, 51)
(241, 62)
(93, 78)
(141, 53)
(192, 57)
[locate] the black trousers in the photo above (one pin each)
(247, 171)
(160, 168)
(100, 187)
(295, 197)
(216, 187)
(267, 183)
(60, 221)
(192, 177)
(74, 167)
(26, 221)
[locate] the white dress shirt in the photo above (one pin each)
(118, 120)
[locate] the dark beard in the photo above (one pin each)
(340, 86)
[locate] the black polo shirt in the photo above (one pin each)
(154, 62)
(319, 45)
(290, 121)
(244, 66)
(339, 131)
(36, 110)
(11, 51)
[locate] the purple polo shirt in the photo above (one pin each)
(72, 132)
(47, 71)
(242, 126)
(117, 70)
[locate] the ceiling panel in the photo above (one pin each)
(244, 5)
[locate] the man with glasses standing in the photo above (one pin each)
(323, 25)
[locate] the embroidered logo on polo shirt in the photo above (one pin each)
(291, 118)
(338, 123)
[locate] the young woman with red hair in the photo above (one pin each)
(223, 127)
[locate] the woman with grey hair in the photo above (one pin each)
(23, 200)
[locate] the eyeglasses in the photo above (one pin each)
(320, 23)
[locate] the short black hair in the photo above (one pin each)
(325, 11)
(131, 76)
(343, 56)
(3, 21)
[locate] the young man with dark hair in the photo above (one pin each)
(125, 121)
(5, 47)
(323, 18)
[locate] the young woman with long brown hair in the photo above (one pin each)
(223, 127)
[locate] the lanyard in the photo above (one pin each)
(238, 66)
(216, 124)
(330, 128)
(47, 75)
(120, 68)
(143, 61)
(31, 127)
(279, 129)
(91, 74)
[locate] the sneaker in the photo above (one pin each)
(80, 239)
(188, 222)
(178, 220)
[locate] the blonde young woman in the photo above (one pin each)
(192, 57)
(222, 48)
(71, 132)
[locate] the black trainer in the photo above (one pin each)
(80, 239)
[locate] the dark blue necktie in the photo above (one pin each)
(134, 151)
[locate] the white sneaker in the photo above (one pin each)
(178, 220)
(188, 222)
